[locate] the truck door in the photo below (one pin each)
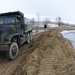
(18, 25)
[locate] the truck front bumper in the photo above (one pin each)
(4, 47)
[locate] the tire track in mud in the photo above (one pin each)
(14, 67)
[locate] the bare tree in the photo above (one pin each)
(38, 19)
(33, 21)
(58, 19)
(46, 21)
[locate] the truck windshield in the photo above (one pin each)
(1, 20)
(7, 20)
(0, 35)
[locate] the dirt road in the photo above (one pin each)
(48, 54)
(14, 67)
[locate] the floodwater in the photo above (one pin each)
(70, 35)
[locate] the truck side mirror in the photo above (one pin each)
(18, 20)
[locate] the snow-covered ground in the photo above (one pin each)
(53, 25)
(39, 31)
(49, 25)
(70, 35)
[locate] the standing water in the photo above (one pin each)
(70, 35)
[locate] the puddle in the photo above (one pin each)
(70, 35)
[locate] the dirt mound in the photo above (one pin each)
(48, 54)
(53, 55)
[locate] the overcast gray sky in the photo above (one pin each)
(51, 8)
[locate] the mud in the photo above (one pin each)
(53, 55)
(48, 54)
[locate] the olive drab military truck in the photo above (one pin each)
(13, 33)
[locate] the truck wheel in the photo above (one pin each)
(28, 38)
(13, 51)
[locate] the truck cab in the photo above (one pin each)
(13, 33)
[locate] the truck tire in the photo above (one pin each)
(13, 51)
(28, 38)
